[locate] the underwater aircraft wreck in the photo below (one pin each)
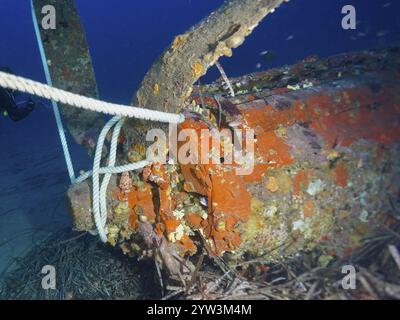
(325, 170)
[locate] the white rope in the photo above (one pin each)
(107, 176)
(113, 170)
(96, 179)
(99, 204)
(10, 81)
(56, 110)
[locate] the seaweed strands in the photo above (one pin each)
(303, 277)
(85, 269)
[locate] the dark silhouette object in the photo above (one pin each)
(8, 105)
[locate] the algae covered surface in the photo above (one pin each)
(305, 180)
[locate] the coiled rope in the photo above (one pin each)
(99, 205)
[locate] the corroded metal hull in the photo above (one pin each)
(326, 172)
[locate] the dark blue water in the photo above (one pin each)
(125, 37)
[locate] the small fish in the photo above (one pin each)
(387, 5)
(263, 53)
(382, 33)
(361, 34)
(258, 65)
(204, 201)
(291, 37)
(268, 55)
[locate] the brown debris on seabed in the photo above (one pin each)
(85, 270)
(304, 277)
